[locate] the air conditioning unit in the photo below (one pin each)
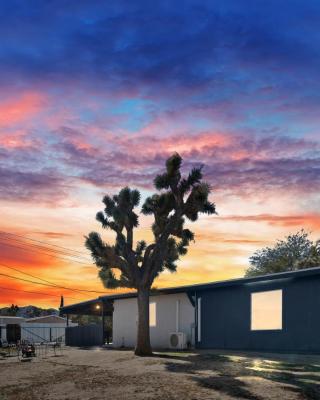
(177, 340)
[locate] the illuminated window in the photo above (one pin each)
(266, 310)
(152, 314)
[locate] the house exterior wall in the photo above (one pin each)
(226, 317)
(4, 321)
(125, 317)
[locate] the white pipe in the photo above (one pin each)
(199, 319)
(177, 315)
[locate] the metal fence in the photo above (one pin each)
(87, 335)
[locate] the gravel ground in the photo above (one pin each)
(94, 374)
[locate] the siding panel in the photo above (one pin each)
(227, 312)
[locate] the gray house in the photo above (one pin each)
(278, 312)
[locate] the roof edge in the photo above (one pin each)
(205, 286)
(216, 284)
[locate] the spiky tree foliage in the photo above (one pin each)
(138, 265)
(295, 252)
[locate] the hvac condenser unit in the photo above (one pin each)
(177, 340)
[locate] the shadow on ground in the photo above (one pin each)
(224, 373)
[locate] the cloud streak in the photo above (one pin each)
(41, 187)
(310, 221)
(232, 163)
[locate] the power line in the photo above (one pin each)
(42, 244)
(22, 247)
(36, 277)
(43, 248)
(37, 283)
(43, 294)
(40, 241)
(47, 284)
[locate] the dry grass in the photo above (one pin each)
(99, 374)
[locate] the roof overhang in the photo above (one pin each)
(91, 307)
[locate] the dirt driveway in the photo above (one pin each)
(94, 374)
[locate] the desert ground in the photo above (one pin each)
(94, 374)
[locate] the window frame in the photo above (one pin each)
(251, 312)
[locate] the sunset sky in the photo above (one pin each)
(95, 95)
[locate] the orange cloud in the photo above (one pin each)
(15, 292)
(30, 262)
(310, 221)
(21, 254)
(54, 235)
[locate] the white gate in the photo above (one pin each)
(42, 333)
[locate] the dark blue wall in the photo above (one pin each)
(225, 319)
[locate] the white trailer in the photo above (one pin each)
(44, 329)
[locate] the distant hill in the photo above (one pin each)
(28, 311)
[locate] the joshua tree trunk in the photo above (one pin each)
(143, 347)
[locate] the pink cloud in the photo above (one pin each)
(233, 163)
(17, 114)
(16, 139)
(20, 108)
(180, 142)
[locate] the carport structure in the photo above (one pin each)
(88, 335)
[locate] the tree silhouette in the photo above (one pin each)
(61, 305)
(138, 265)
(13, 310)
(295, 252)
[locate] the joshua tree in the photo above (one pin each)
(138, 265)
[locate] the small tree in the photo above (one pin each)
(295, 252)
(13, 310)
(139, 265)
(61, 305)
